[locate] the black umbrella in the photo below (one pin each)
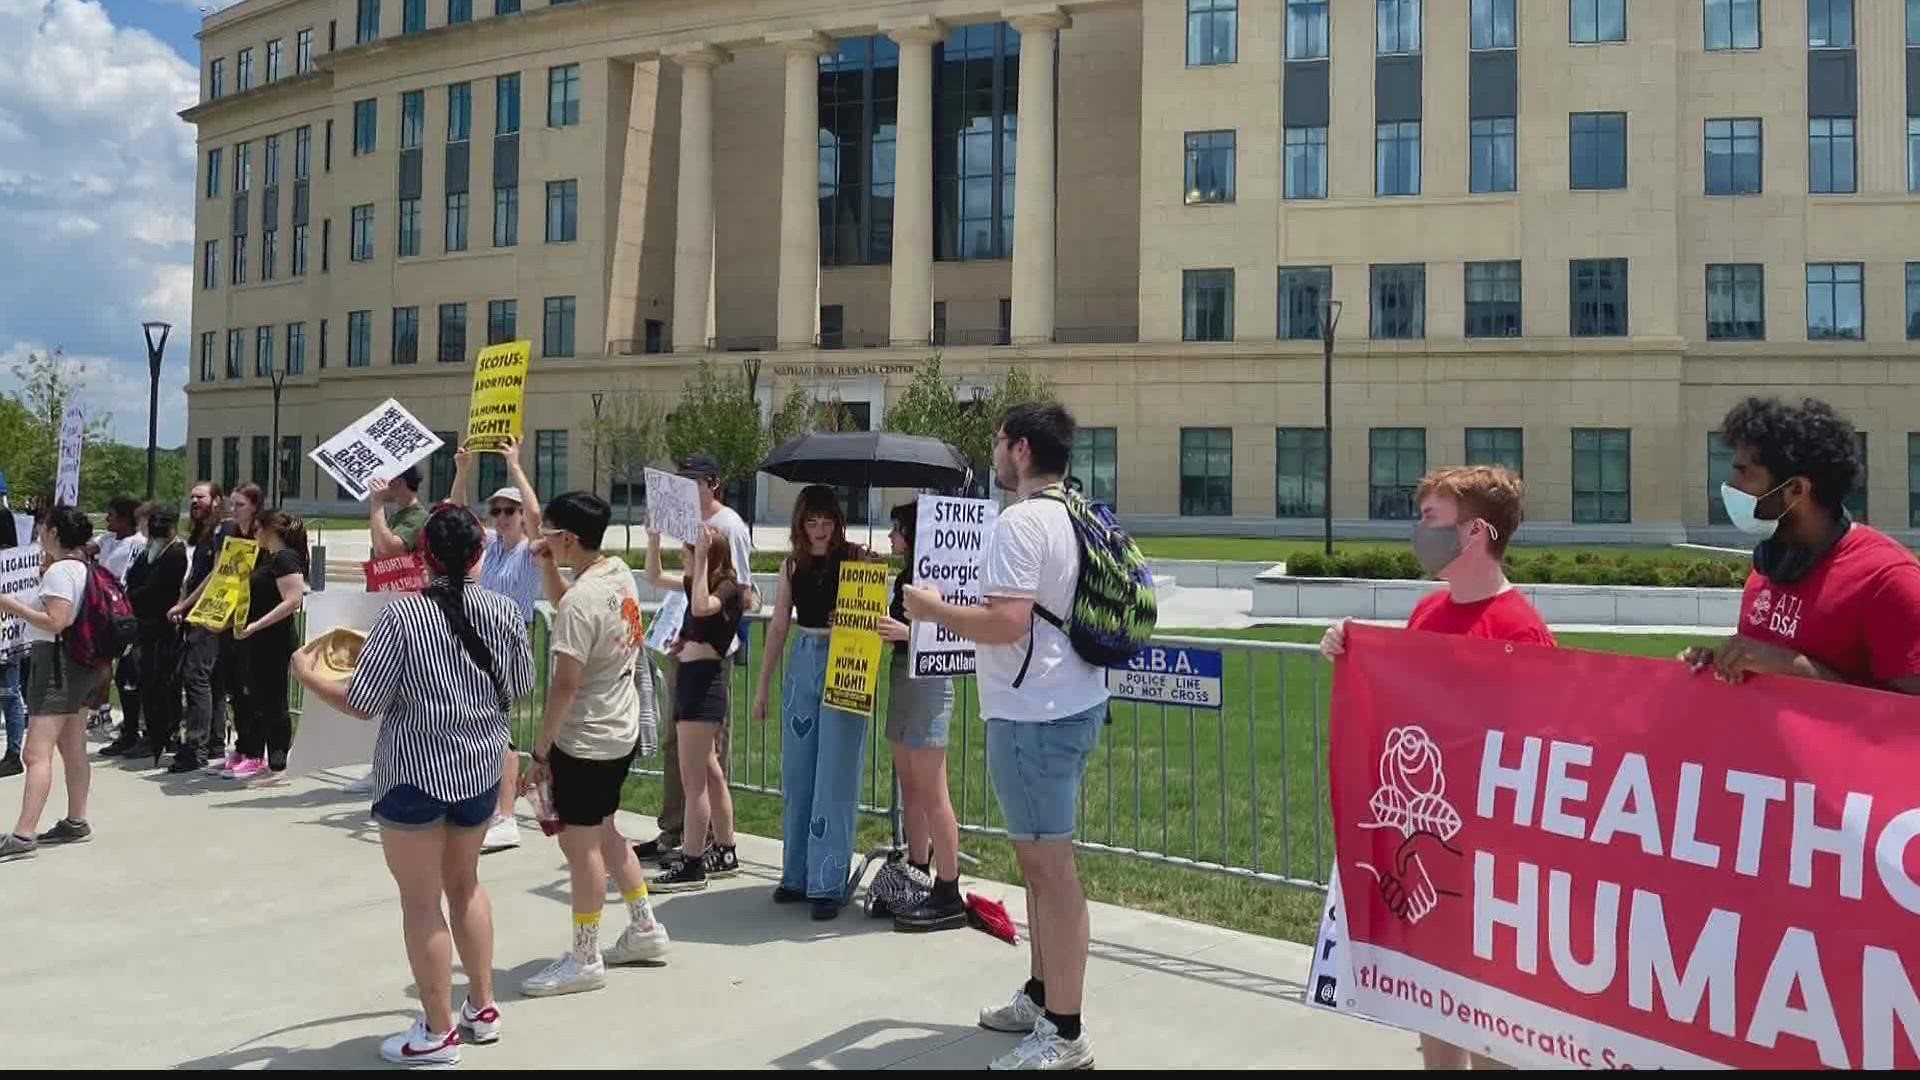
(869, 459)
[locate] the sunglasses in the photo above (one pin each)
(502, 511)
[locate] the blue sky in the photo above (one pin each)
(96, 195)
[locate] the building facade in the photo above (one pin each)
(1563, 235)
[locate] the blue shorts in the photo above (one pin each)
(407, 807)
(1036, 770)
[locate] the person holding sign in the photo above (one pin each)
(394, 514)
(276, 591)
(153, 586)
(58, 689)
(821, 747)
(214, 667)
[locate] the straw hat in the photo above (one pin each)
(335, 654)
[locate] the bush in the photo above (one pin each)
(1542, 568)
(1308, 564)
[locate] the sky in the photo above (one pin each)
(96, 196)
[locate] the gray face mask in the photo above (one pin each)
(1436, 547)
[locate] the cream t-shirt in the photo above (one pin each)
(598, 623)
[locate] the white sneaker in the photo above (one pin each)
(483, 1025)
(637, 945)
(566, 976)
(362, 786)
(502, 833)
(418, 1046)
(1043, 1050)
(1016, 1017)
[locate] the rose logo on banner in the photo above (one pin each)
(1412, 799)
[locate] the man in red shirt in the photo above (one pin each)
(1828, 598)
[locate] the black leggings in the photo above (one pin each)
(268, 727)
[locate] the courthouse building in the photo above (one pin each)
(1563, 235)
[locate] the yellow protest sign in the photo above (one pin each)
(853, 653)
(496, 411)
(225, 600)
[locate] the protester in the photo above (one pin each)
(153, 586)
(715, 603)
(59, 689)
(715, 514)
(394, 513)
(591, 730)
(821, 746)
(918, 714)
(506, 567)
(229, 667)
(206, 701)
(1828, 597)
(115, 549)
(276, 591)
(440, 670)
(1467, 518)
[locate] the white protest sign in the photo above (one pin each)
(667, 622)
(949, 537)
(379, 445)
(328, 738)
(23, 527)
(673, 505)
(19, 573)
(73, 433)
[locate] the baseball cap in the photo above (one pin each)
(509, 493)
(700, 467)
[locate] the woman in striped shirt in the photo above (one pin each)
(440, 669)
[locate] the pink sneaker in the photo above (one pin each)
(249, 768)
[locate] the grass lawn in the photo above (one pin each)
(1268, 550)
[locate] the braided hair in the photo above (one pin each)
(453, 539)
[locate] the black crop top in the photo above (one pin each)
(898, 609)
(719, 629)
(816, 588)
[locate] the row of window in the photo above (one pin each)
(243, 67)
(549, 469)
(450, 346)
(1213, 26)
(563, 110)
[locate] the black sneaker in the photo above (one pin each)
(66, 831)
(16, 847)
(653, 851)
(124, 745)
(721, 862)
(11, 766)
(934, 913)
(186, 761)
(687, 875)
(784, 895)
(825, 910)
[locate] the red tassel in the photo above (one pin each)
(990, 916)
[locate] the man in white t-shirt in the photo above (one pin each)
(1044, 708)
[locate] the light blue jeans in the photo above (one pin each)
(14, 706)
(822, 751)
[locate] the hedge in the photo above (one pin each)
(1546, 568)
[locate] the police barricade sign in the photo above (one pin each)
(1169, 676)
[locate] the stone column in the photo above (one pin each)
(910, 313)
(693, 233)
(797, 316)
(1033, 188)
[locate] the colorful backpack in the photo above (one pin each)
(1114, 607)
(104, 628)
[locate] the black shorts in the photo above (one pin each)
(587, 792)
(700, 692)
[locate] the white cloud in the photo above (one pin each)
(110, 388)
(96, 185)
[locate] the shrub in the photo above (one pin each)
(1307, 564)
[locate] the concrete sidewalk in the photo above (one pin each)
(212, 926)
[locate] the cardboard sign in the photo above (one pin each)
(496, 411)
(855, 650)
(73, 434)
(667, 622)
(400, 573)
(949, 536)
(379, 445)
(224, 602)
(673, 505)
(19, 574)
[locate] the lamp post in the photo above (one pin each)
(279, 376)
(750, 366)
(598, 396)
(156, 332)
(1329, 318)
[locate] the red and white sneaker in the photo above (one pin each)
(418, 1046)
(482, 1024)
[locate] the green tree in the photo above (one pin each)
(31, 419)
(630, 435)
(929, 407)
(718, 416)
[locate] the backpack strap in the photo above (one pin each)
(1054, 492)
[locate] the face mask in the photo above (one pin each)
(1743, 511)
(1436, 547)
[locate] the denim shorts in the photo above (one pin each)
(1036, 770)
(407, 807)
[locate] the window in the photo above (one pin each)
(1502, 446)
(326, 244)
(1719, 471)
(269, 252)
(977, 83)
(366, 22)
(327, 152)
(1211, 31)
(1913, 479)
(289, 466)
(236, 350)
(1592, 21)
(1493, 25)
(1095, 463)
(213, 173)
(1598, 151)
(1913, 301)
(1913, 154)
(1736, 302)
(857, 89)
(1302, 290)
(272, 163)
(303, 152)
(243, 168)
(1835, 302)
(1913, 22)
(1396, 26)
(1207, 305)
(506, 216)
(833, 326)
(263, 351)
(550, 461)
(656, 335)
(1733, 157)
(1300, 472)
(459, 112)
(230, 462)
(503, 321)
(1493, 299)
(453, 333)
(239, 276)
(409, 238)
(1493, 155)
(210, 264)
(1206, 472)
(359, 338)
(506, 7)
(1399, 295)
(1209, 167)
(243, 71)
(296, 348)
(413, 118)
(456, 237)
(1830, 24)
(506, 104)
(413, 16)
(563, 211)
(563, 95)
(1396, 460)
(1856, 500)
(556, 331)
(1830, 155)
(1005, 323)
(323, 344)
(206, 366)
(366, 118)
(216, 79)
(1306, 29)
(406, 335)
(440, 468)
(1306, 163)
(1602, 476)
(274, 51)
(459, 11)
(303, 52)
(362, 239)
(1732, 24)
(203, 453)
(1599, 291)
(1396, 158)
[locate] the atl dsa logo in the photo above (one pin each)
(1779, 614)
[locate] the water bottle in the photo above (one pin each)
(550, 823)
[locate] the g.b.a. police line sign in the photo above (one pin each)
(1169, 676)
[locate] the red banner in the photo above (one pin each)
(1563, 858)
(400, 573)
